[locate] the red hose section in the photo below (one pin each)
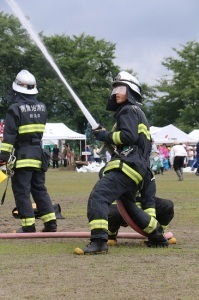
(124, 235)
(127, 218)
(129, 221)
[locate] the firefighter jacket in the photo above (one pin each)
(24, 126)
(133, 141)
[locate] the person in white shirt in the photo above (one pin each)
(177, 158)
(95, 154)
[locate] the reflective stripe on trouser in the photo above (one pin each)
(48, 217)
(114, 185)
(27, 222)
(151, 212)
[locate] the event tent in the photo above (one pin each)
(154, 129)
(194, 135)
(170, 134)
(54, 133)
(59, 131)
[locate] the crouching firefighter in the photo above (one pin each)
(124, 173)
(24, 126)
(164, 212)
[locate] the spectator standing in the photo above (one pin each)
(64, 155)
(55, 157)
(190, 155)
(154, 148)
(89, 149)
(95, 154)
(177, 158)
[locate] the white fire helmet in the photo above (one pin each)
(25, 83)
(126, 78)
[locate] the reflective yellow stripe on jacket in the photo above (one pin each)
(99, 224)
(116, 138)
(32, 163)
(117, 164)
(143, 129)
(31, 128)
(6, 147)
(151, 226)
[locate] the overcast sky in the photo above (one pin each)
(144, 31)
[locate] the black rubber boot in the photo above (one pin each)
(26, 229)
(97, 246)
(50, 226)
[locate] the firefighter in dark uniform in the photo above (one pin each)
(124, 173)
(24, 126)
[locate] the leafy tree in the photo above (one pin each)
(86, 63)
(14, 41)
(179, 100)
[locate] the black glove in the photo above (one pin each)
(101, 135)
(4, 158)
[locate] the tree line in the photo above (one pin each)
(88, 66)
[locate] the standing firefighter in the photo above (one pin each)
(23, 131)
(124, 173)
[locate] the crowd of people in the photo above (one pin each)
(177, 156)
(57, 157)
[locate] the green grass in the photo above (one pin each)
(48, 269)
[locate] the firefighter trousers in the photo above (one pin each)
(113, 185)
(26, 182)
(164, 215)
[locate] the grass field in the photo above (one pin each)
(47, 268)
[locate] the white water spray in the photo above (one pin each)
(35, 37)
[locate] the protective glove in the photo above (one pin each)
(101, 135)
(4, 158)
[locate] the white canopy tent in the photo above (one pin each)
(154, 129)
(194, 135)
(170, 134)
(56, 132)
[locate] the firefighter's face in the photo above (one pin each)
(120, 93)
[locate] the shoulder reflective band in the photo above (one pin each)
(31, 128)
